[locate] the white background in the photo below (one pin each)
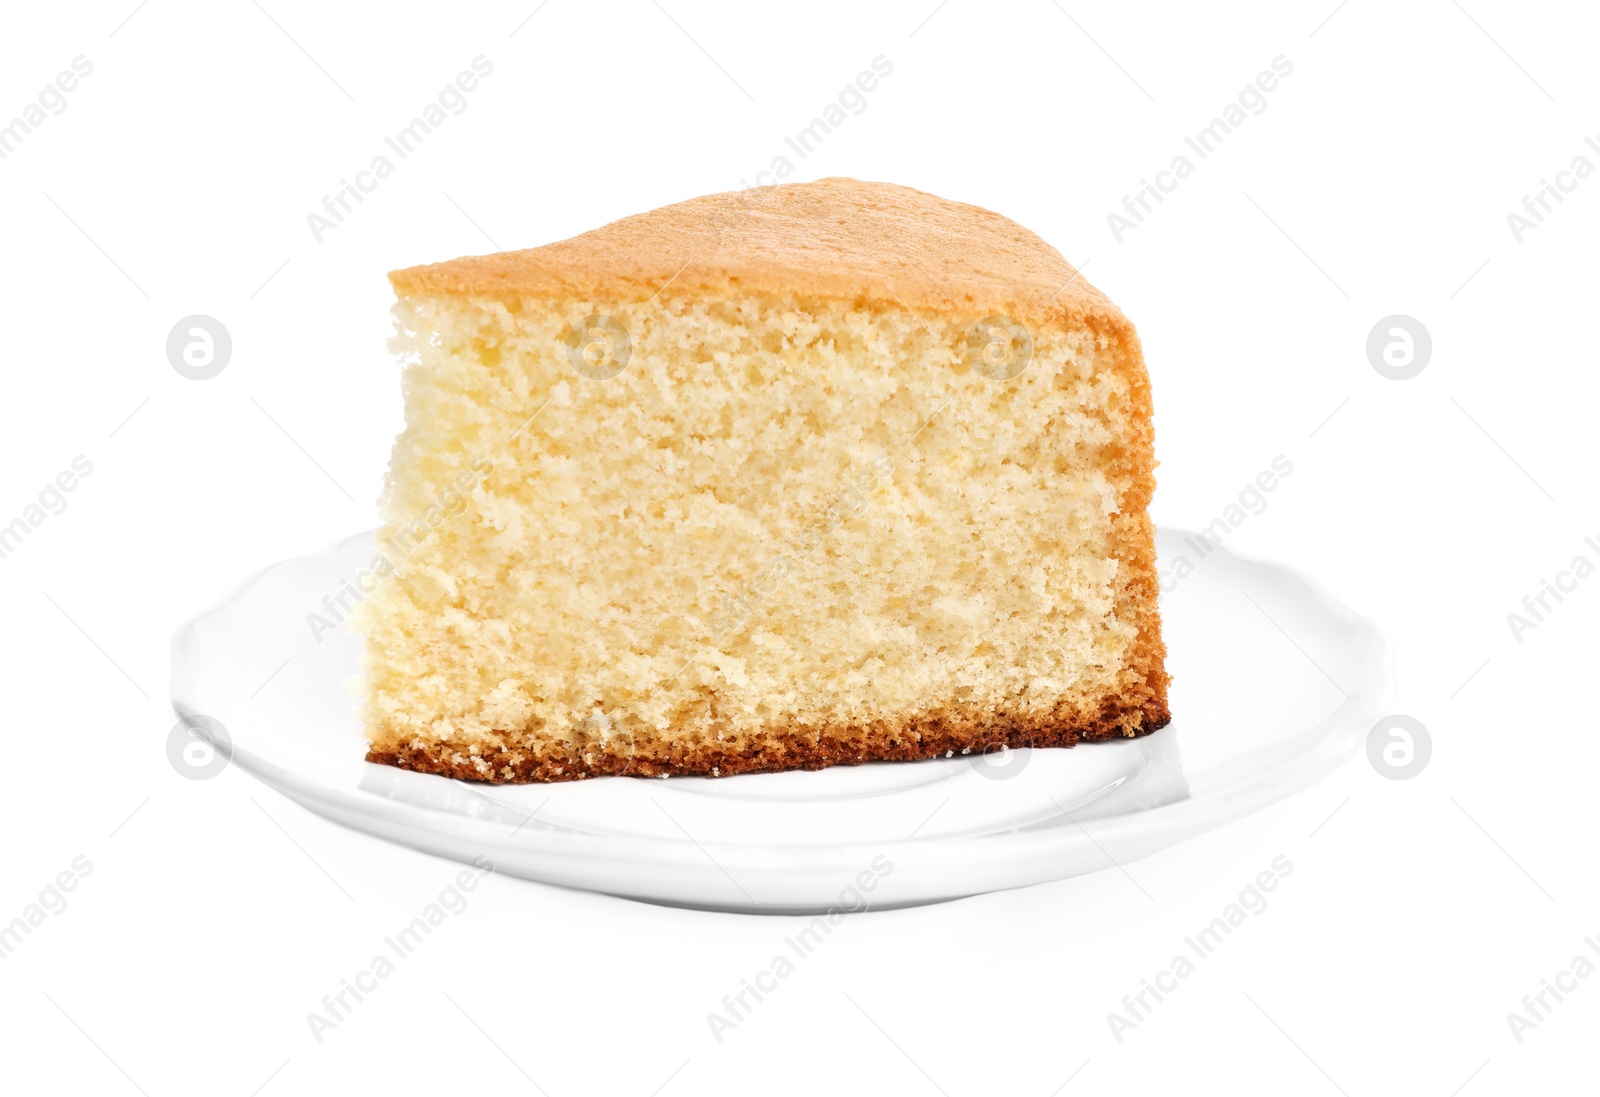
(1377, 181)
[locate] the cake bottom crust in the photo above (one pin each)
(905, 740)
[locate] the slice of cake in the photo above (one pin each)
(802, 476)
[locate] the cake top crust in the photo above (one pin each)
(832, 239)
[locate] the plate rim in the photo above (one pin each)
(1325, 751)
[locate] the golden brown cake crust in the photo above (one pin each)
(833, 239)
(915, 738)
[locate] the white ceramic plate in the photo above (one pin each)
(1274, 685)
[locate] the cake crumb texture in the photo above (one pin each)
(776, 512)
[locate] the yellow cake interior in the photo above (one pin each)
(629, 534)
